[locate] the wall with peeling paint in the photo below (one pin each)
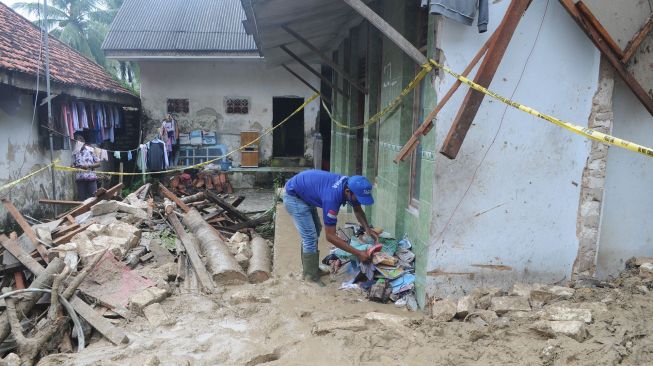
(517, 222)
(207, 83)
(21, 154)
(625, 230)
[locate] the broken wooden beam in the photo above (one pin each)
(112, 333)
(193, 198)
(27, 229)
(65, 238)
(227, 206)
(607, 52)
(634, 43)
(173, 197)
(192, 249)
(486, 71)
(260, 264)
(427, 124)
(605, 35)
(100, 194)
(219, 260)
(60, 202)
(252, 224)
(23, 257)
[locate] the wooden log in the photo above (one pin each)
(191, 246)
(260, 264)
(43, 280)
(193, 198)
(27, 229)
(220, 262)
(227, 206)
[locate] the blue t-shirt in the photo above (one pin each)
(320, 189)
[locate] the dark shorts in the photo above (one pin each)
(86, 189)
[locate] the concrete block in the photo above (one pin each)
(646, 270)
(523, 289)
(132, 210)
(641, 260)
(104, 207)
(444, 310)
(156, 316)
(482, 317)
(572, 329)
(504, 304)
(325, 327)
(466, 305)
(149, 296)
(549, 293)
(561, 313)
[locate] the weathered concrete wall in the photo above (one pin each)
(518, 220)
(207, 83)
(21, 154)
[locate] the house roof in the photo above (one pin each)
(20, 43)
(169, 27)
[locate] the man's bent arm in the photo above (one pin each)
(362, 219)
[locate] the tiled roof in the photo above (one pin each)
(203, 26)
(19, 51)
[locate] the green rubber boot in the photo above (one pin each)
(311, 265)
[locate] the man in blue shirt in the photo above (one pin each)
(316, 188)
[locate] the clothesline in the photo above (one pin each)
(73, 140)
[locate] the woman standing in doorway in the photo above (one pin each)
(85, 158)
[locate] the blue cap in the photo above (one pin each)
(362, 188)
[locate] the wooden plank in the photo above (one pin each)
(71, 219)
(66, 237)
(326, 59)
(605, 35)
(619, 67)
(387, 30)
(173, 197)
(227, 206)
(313, 71)
(27, 229)
(484, 76)
(23, 257)
(427, 124)
(61, 230)
(101, 194)
(296, 75)
(193, 252)
(59, 202)
(634, 43)
(114, 334)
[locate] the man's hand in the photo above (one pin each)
(362, 256)
(373, 234)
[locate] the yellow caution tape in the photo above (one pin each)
(586, 132)
(200, 165)
(426, 69)
(28, 176)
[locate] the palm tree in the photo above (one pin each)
(81, 24)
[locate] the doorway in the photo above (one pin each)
(287, 140)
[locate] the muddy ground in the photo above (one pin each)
(286, 321)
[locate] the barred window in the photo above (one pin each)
(179, 106)
(236, 105)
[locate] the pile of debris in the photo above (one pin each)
(110, 258)
(389, 277)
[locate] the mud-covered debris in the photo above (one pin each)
(571, 328)
(561, 313)
(139, 301)
(324, 327)
(504, 304)
(156, 316)
(466, 305)
(443, 310)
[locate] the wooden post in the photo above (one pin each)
(484, 76)
(327, 60)
(615, 61)
(173, 197)
(313, 71)
(260, 264)
(387, 30)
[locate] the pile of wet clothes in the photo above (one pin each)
(388, 277)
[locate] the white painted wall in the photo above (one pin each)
(521, 210)
(21, 154)
(207, 83)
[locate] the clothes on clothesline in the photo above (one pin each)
(95, 121)
(157, 155)
(462, 11)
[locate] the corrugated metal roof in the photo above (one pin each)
(180, 25)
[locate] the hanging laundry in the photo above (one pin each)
(116, 154)
(157, 157)
(129, 155)
(75, 115)
(462, 11)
